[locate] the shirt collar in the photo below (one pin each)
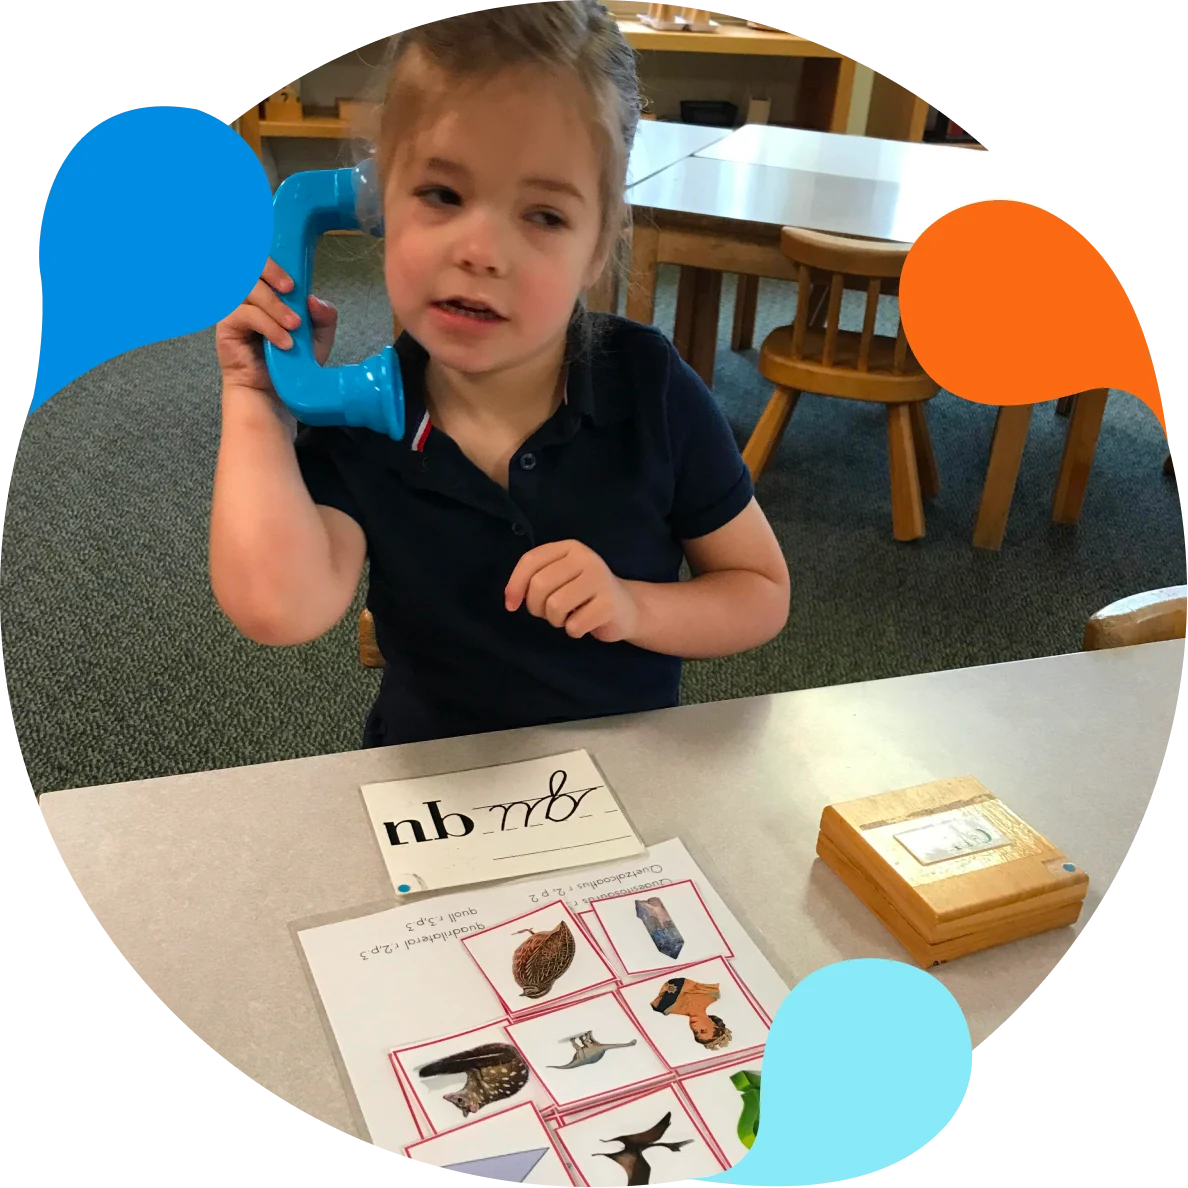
(594, 388)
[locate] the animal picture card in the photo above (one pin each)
(727, 1101)
(648, 1140)
(514, 1146)
(700, 1014)
(458, 1076)
(538, 957)
(497, 823)
(660, 929)
(587, 1050)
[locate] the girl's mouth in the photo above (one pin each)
(469, 309)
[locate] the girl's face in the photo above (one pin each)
(492, 220)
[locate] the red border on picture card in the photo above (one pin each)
(523, 1012)
(408, 1096)
(549, 1134)
(626, 1090)
(614, 1105)
(711, 1062)
(580, 1111)
(405, 1075)
(684, 1094)
(639, 895)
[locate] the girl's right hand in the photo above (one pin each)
(238, 337)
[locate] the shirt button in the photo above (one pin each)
(527, 461)
(519, 528)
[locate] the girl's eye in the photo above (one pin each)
(439, 196)
(548, 219)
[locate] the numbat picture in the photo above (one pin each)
(631, 1157)
(682, 996)
(587, 1050)
(494, 1072)
(542, 959)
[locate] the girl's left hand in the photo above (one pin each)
(571, 586)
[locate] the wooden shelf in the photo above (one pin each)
(309, 128)
(729, 39)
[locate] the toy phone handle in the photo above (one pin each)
(369, 394)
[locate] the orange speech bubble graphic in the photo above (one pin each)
(1003, 303)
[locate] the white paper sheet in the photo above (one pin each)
(468, 827)
(402, 976)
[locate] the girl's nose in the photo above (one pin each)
(481, 247)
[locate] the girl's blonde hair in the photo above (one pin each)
(576, 37)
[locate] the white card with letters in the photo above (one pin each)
(490, 823)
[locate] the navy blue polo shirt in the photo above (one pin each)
(636, 459)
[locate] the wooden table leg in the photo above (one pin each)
(746, 302)
(707, 306)
(1002, 471)
(1079, 448)
(641, 284)
(686, 308)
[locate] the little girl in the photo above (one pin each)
(525, 538)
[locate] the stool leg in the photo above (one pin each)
(907, 508)
(1079, 448)
(925, 458)
(746, 302)
(1002, 471)
(765, 437)
(1168, 467)
(1065, 405)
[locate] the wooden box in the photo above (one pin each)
(949, 869)
(284, 105)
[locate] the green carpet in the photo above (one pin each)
(120, 665)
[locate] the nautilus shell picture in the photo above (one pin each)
(540, 960)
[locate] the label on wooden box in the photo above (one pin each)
(950, 835)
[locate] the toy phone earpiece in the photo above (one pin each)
(366, 395)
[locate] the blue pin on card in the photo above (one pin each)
(366, 395)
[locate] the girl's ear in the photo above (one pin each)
(595, 270)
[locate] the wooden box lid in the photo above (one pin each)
(952, 858)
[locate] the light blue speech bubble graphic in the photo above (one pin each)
(157, 225)
(866, 1062)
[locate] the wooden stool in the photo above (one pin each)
(369, 653)
(1142, 618)
(824, 359)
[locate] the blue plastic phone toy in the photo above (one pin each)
(367, 395)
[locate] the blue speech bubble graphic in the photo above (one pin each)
(157, 225)
(866, 1062)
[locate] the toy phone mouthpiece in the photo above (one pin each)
(366, 395)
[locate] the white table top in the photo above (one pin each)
(197, 877)
(852, 185)
(659, 144)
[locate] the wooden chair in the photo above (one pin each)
(823, 359)
(369, 654)
(1142, 618)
